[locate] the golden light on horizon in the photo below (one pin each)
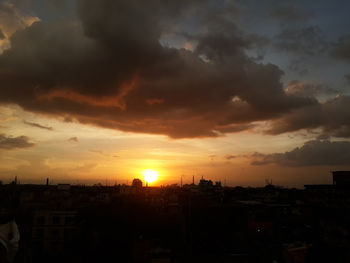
(150, 175)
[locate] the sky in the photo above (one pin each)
(235, 91)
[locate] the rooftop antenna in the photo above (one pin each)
(268, 182)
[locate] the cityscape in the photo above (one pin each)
(178, 131)
(198, 222)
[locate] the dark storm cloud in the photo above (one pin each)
(7, 8)
(110, 70)
(12, 19)
(305, 89)
(341, 50)
(332, 116)
(37, 125)
(59, 4)
(312, 153)
(9, 143)
(308, 40)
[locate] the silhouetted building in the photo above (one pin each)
(53, 230)
(341, 178)
(193, 223)
(65, 187)
(295, 254)
(137, 183)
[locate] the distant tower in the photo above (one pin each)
(193, 179)
(16, 179)
(47, 181)
(181, 181)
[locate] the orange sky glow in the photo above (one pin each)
(103, 155)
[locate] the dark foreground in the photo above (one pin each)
(204, 223)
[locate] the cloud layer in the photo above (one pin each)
(332, 116)
(9, 143)
(310, 154)
(102, 72)
(109, 69)
(37, 125)
(11, 20)
(342, 49)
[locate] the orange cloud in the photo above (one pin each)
(103, 101)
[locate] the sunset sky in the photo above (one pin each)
(238, 91)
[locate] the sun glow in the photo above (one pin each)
(150, 175)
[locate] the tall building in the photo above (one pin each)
(341, 178)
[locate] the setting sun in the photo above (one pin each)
(150, 175)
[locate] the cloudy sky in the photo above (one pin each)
(232, 90)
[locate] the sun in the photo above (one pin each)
(150, 175)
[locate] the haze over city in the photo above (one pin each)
(235, 91)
